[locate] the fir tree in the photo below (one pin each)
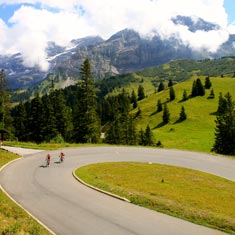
(161, 87)
(212, 94)
(63, 116)
(122, 130)
(6, 127)
(141, 94)
(159, 106)
(183, 115)
(197, 88)
(166, 114)
(20, 122)
(86, 122)
(36, 120)
(208, 83)
(194, 92)
(200, 88)
(185, 95)
(222, 105)
(134, 99)
(49, 117)
(170, 83)
(172, 93)
(148, 136)
(225, 129)
(141, 137)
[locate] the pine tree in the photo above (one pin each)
(222, 105)
(185, 95)
(200, 88)
(49, 117)
(208, 83)
(166, 114)
(141, 94)
(170, 83)
(134, 99)
(194, 91)
(36, 120)
(161, 87)
(86, 122)
(212, 94)
(63, 116)
(225, 129)
(172, 93)
(183, 115)
(141, 137)
(159, 106)
(148, 136)
(197, 88)
(6, 127)
(20, 122)
(131, 136)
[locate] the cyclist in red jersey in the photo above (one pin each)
(48, 159)
(61, 156)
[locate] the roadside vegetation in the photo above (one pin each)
(188, 194)
(14, 220)
(41, 146)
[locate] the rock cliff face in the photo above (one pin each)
(127, 51)
(124, 52)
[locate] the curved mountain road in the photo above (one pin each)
(67, 207)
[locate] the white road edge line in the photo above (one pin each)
(18, 204)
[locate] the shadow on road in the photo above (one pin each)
(43, 166)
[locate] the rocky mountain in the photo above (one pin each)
(124, 52)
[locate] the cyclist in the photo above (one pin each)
(48, 159)
(61, 156)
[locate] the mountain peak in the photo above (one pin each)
(125, 34)
(194, 23)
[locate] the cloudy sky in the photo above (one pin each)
(27, 25)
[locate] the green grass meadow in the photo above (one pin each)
(196, 133)
(188, 194)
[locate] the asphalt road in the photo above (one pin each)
(68, 207)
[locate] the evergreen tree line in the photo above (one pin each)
(66, 115)
(75, 115)
(6, 127)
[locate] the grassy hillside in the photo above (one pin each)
(197, 131)
(177, 71)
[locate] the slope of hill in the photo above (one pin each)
(197, 131)
(177, 71)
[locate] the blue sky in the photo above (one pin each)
(27, 25)
(230, 9)
(7, 10)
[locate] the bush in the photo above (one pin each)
(57, 139)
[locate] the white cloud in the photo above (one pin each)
(32, 28)
(62, 4)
